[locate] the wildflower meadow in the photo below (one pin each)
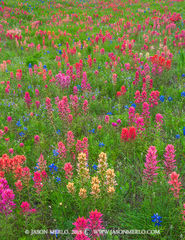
(92, 119)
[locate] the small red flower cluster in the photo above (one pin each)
(128, 134)
(122, 92)
(161, 61)
(175, 17)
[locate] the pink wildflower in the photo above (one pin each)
(63, 80)
(85, 106)
(11, 150)
(151, 165)
(62, 150)
(21, 144)
(6, 197)
(68, 170)
(26, 208)
(169, 159)
(64, 109)
(81, 225)
(107, 119)
(41, 163)
(146, 113)
(70, 139)
(95, 223)
(27, 99)
(38, 181)
(131, 113)
(37, 103)
(37, 139)
(176, 184)
(37, 92)
(9, 118)
(137, 97)
(154, 98)
(18, 185)
(159, 121)
(139, 125)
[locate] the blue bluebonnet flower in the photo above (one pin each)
(92, 131)
(109, 113)
(18, 124)
(25, 128)
(156, 219)
(162, 98)
(177, 136)
(58, 179)
(95, 167)
(182, 94)
(60, 52)
(99, 67)
(52, 168)
(55, 153)
(29, 86)
(183, 75)
(58, 131)
(170, 99)
(79, 87)
(126, 106)
(101, 144)
(133, 105)
(59, 44)
(21, 134)
(184, 131)
(30, 66)
(21, 48)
